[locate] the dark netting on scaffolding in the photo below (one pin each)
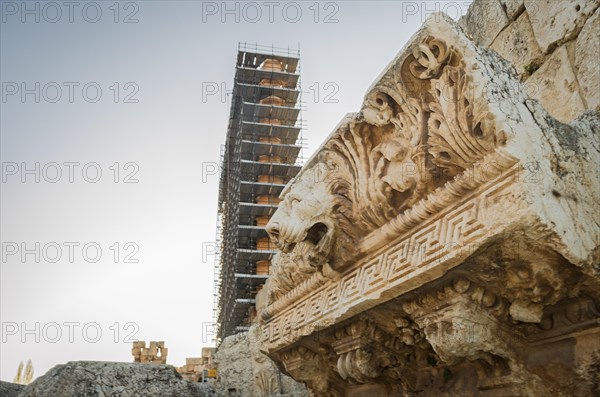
(262, 153)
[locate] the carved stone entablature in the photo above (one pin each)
(453, 198)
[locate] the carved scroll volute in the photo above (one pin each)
(367, 354)
(378, 109)
(356, 360)
(460, 129)
(430, 56)
(439, 127)
(427, 60)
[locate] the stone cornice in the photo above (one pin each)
(454, 191)
(407, 262)
(401, 238)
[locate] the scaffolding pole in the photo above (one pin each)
(263, 151)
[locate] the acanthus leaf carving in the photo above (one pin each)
(461, 130)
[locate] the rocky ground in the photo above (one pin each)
(10, 389)
(243, 372)
(110, 379)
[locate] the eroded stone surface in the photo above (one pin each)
(554, 84)
(485, 20)
(513, 8)
(517, 45)
(557, 21)
(587, 54)
(90, 378)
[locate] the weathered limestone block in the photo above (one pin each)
(587, 54)
(571, 155)
(517, 44)
(444, 240)
(89, 378)
(513, 8)
(484, 21)
(557, 21)
(554, 84)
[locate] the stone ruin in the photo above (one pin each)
(195, 367)
(156, 353)
(443, 241)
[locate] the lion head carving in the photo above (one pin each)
(312, 227)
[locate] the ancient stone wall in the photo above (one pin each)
(553, 44)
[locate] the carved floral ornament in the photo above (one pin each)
(397, 162)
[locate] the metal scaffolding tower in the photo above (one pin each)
(263, 151)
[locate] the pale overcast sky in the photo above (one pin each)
(117, 88)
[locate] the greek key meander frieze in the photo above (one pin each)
(453, 236)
